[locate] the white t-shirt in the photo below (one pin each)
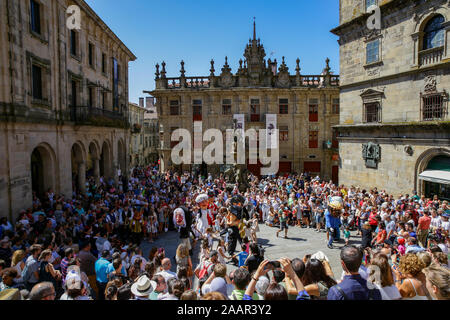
(445, 225)
(436, 222)
(389, 293)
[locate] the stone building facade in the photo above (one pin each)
(394, 130)
(136, 119)
(63, 101)
(306, 107)
(151, 131)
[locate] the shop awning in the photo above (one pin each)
(436, 176)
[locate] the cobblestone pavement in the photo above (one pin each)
(299, 243)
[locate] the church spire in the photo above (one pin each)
(254, 28)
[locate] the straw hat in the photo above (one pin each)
(143, 286)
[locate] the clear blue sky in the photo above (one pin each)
(197, 31)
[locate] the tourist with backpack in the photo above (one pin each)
(206, 268)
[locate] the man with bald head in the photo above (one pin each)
(43, 291)
(166, 265)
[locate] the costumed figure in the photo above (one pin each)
(182, 219)
(202, 214)
(235, 223)
(333, 219)
(212, 208)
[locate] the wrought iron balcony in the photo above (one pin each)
(84, 115)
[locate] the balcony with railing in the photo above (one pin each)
(84, 115)
(431, 56)
(267, 78)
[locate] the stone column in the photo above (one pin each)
(82, 176)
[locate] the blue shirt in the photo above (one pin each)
(101, 270)
(331, 221)
(111, 269)
(242, 257)
(355, 288)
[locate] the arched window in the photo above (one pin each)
(434, 33)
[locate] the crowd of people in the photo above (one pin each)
(88, 246)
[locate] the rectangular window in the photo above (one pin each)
(335, 106)
(115, 95)
(313, 139)
(226, 106)
(74, 93)
(433, 107)
(37, 82)
(73, 42)
(91, 54)
(284, 133)
(284, 106)
(35, 16)
(373, 51)
(197, 110)
(103, 63)
(372, 112)
(255, 110)
(313, 110)
(174, 108)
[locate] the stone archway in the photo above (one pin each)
(106, 161)
(422, 163)
(78, 158)
(43, 169)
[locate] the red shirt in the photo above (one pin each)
(424, 223)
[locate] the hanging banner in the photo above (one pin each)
(240, 121)
(271, 126)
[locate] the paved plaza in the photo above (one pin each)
(299, 243)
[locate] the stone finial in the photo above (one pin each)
(297, 69)
(240, 64)
(182, 71)
(212, 70)
(163, 71)
(226, 67)
(283, 67)
(254, 28)
(327, 68)
(157, 71)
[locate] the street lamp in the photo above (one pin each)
(328, 144)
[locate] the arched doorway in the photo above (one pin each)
(435, 177)
(42, 170)
(106, 161)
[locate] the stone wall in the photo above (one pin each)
(396, 173)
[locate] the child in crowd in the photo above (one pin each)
(347, 235)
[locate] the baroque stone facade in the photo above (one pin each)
(306, 107)
(63, 101)
(394, 93)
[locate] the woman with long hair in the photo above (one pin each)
(316, 280)
(183, 259)
(380, 275)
